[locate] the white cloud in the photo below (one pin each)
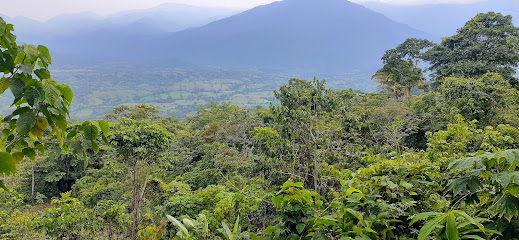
(418, 2)
(45, 9)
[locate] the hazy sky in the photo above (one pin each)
(45, 9)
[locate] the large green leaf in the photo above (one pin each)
(236, 228)
(470, 162)
(506, 206)
(25, 122)
(3, 26)
(467, 184)
(29, 152)
(21, 111)
(423, 216)
(452, 229)
(76, 147)
(52, 94)
(95, 147)
(25, 69)
(430, 226)
(61, 121)
(471, 220)
(31, 54)
(180, 226)
(504, 178)
(32, 95)
(67, 93)
(511, 156)
(270, 230)
(227, 230)
(105, 127)
(91, 132)
(16, 86)
(4, 85)
(188, 223)
(19, 58)
(45, 51)
(300, 227)
(7, 163)
(42, 73)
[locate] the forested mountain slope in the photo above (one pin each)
(320, 36)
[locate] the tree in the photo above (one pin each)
(304, 106)
(490, 99)
(68, 221)
(137, 112)
(41, 105)
(54, 173)
(138, 142)
(487, 43)
(400, 72)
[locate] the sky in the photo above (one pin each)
(46, 9)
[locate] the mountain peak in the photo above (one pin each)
(327, 35)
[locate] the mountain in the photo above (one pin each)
(442, 20)
(165, 14)
(318, 36)
(165, 18)
(307, 35)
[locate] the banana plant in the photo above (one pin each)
(454, 225)
(182, 233)
(235, 234)
(188, 229)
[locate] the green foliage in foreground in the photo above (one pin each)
(41, 105)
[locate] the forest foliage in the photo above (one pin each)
(421, 159)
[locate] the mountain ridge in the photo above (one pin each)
(281, 32)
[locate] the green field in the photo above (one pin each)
(181, 92)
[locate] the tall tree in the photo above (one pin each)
(139, 143)
(400, 72)
(487, 43)
(304, 107)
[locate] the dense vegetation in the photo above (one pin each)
(322, 164)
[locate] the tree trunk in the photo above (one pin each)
(32, 186)
(110, 234)
(135, 201)
(315, 158)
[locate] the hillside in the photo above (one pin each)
(313, 35)
(63, 31)
(325, 36)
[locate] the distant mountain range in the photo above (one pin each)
(308, 35)
(164, 18)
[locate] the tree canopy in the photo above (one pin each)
(487, 43)
(400, 72)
